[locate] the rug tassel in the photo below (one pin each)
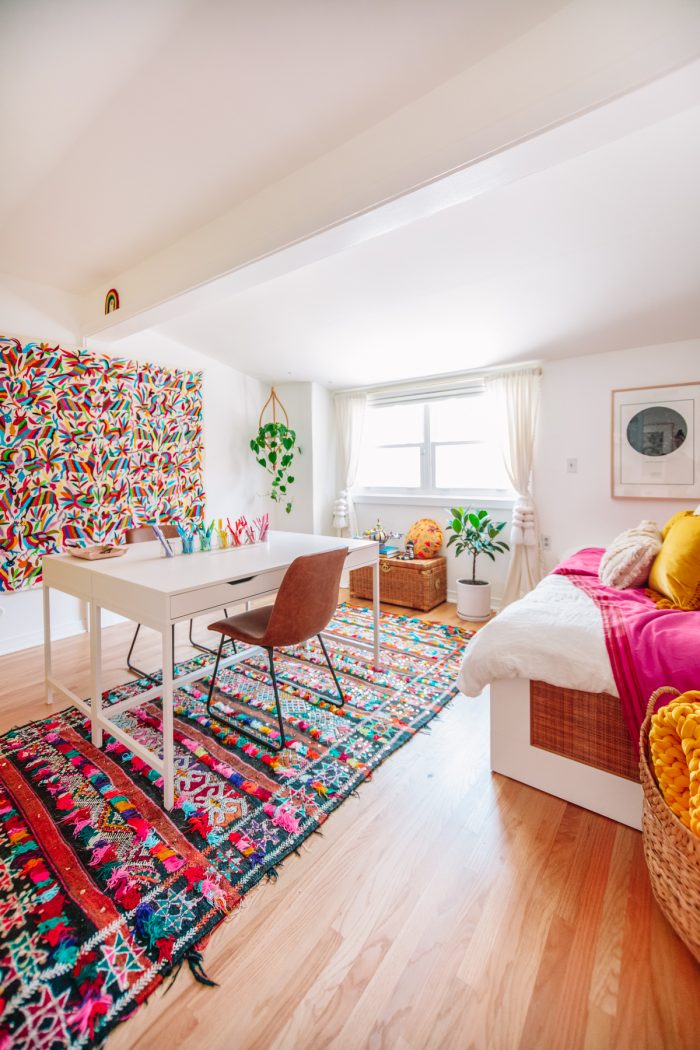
(272, 875)
(194, 961)
(173, 976)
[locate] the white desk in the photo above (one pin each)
(151, 589)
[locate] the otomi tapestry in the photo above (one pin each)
(90, 445)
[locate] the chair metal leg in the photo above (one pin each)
(136, 670)
(206, 648)
(278, 705)
(216, 671)
(332, 670)
(217, 716)
(132, 667)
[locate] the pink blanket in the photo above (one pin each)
(648, 647)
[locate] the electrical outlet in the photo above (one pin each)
(546, 543)
(572, 466)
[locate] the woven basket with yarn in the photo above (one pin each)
(671, 848)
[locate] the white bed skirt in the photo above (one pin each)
(513, 755)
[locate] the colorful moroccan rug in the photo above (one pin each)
(103, 894)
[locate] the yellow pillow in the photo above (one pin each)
(672, 521)
(675, 574)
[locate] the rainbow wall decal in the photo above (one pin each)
(111, 301)
(90, 445)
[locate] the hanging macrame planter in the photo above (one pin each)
(274, 447)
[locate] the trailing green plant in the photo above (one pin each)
(274, 446)
(475, 533)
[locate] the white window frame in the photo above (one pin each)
(428, 492)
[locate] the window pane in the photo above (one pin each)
(475, 466)
(390, 468)
(394, 425)
(459, 418)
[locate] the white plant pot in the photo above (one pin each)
(473, 599)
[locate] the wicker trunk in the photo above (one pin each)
(419, 584)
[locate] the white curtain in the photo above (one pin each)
(350, 410)
(515, 398)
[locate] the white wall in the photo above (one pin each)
(37, 313)
(231, 404)
(577, 510)
(296, 398)
(310, 410)
(324, 461)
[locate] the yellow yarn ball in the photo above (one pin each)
(674, 743)
(426, 536)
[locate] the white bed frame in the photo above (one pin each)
(513, 755)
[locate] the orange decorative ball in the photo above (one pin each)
(426, 535)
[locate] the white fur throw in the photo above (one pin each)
(627, 561)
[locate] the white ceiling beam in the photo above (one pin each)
(461, 140)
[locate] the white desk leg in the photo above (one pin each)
(47, 643)
(168, 743)
(375, 611)
(96, 671)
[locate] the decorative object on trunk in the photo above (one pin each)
(274, 446)
(426, 537)
(474, 533)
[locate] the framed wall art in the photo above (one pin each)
(656, 442)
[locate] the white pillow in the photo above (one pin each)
(628, 559)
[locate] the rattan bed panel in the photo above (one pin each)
(586, 727)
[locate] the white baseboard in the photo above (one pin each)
(63, 629)
(28, 639)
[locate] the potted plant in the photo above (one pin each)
(273, 447)
(474, 532)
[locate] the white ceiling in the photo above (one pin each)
(125, 126)
(599, 253)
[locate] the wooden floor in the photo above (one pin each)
(445, 907)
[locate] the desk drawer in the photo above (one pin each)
(218, 595)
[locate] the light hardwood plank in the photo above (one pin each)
(445, 907)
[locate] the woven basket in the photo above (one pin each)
(671, 850)
(419, 584)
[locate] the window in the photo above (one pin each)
(438, 445)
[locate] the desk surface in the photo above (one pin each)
(151, 589)
(146, 565)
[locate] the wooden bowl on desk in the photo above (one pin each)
(97, 551)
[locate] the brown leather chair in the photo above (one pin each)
(304, 605)
(144, 534)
